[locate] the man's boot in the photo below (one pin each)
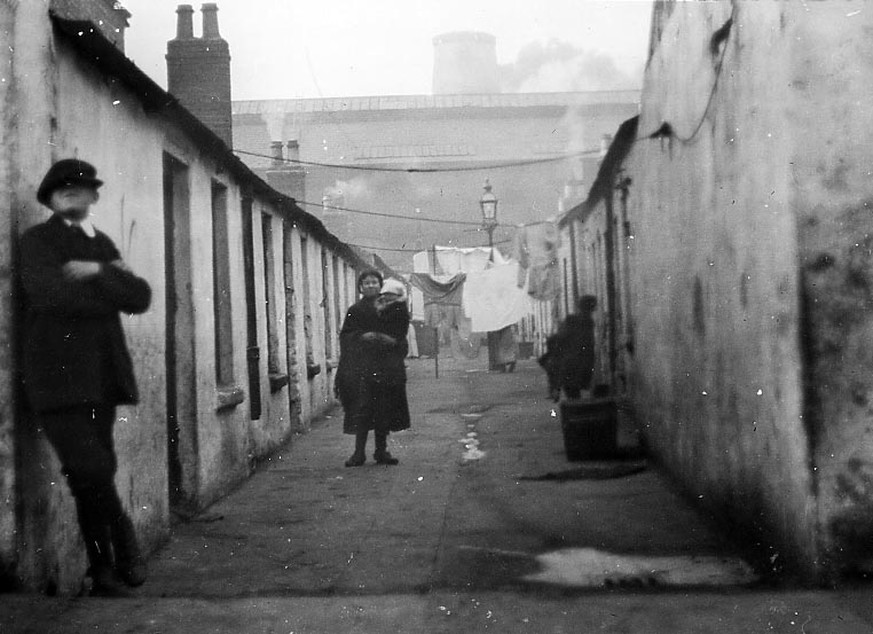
(129, 562)
(98, 545)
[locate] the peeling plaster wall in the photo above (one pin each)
(829, 81)
(719, 375)
(7, 352)
(320, 393)
(272, 429)
(222, 432)
(100, 122)
(27, 130)
(81, 120)
(59, 106)
(299, 377)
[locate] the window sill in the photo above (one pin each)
(229, 397)
(278, 381)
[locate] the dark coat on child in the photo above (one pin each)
(74, 350)
(575, 342)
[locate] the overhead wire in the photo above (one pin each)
(720, 38)
(408, 250)
(339, 128)
(425, 170)
(397, 216)
(411, 170)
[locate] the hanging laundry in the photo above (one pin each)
(441, 299)
(493, 300)
(451, 260)
(536, 249)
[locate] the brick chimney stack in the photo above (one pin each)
(210, 21)
(198, 70)
(276, 152)
(287, 176)
(185, 22)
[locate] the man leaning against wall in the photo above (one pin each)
(76, 366)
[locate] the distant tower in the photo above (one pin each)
(198, 70)
(465, 63)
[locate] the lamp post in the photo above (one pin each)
(488, 204)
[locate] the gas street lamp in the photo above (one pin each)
(488, 204)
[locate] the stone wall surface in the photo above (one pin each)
(718, 379)
(7, 359)
(751, 271)
(832, 199)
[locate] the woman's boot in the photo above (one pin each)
(360, 456)
(381, 454)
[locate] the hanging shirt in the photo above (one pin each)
(493, 300)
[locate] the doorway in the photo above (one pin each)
(180, 356)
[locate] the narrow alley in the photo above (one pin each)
(484, 526)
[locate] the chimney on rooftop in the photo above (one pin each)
(276, 153)
(184, 22)
(198, 70)
(210, 21)
(293, 151)
(287, 176)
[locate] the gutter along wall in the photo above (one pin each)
(220, 388)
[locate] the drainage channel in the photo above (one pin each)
(470, 441)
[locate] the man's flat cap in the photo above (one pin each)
(67, 172)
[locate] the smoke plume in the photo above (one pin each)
(561, 67)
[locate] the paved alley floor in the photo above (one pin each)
(483, 527)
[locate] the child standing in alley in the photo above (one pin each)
(76, 366)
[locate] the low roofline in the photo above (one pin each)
(624, 140)
(87, 39)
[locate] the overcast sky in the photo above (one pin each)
(299, 48)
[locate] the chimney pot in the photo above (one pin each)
(210, 21)
(276, 153)
(293, 150)
(184, 22)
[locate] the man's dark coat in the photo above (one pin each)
(74, 347)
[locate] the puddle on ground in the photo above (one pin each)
(588, 567)
(471, 448)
